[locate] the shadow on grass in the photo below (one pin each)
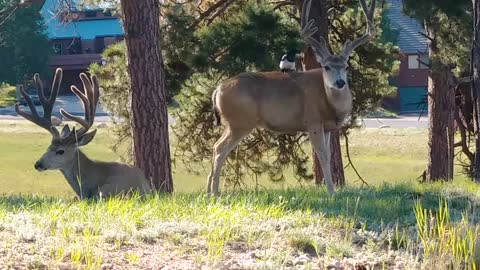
(372, 206)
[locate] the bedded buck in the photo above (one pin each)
(315, 101)
(88, 178)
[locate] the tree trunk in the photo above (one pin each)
(474, 72)
(441, 111)
(320, 15)
(149, 108)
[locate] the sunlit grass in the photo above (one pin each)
(380, 155)
(365, 224)
(7, 95)
(305, 220)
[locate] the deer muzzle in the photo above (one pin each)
(39, 166)
(340, 84)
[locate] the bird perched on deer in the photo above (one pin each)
(287, 63)
(87, 177)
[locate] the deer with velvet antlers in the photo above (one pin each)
(315, 101)
(87, 177)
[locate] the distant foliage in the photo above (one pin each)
(24, 46)
(115, 97)
(254, 39)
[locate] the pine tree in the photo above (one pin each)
(441, 95)
(148, 95)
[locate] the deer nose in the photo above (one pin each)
(340, 83)
(38, 166)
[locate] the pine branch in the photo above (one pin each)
(426, 36)
(211, 10)
(463, 80)
(280, 4)
(425, 64)
(7, 12)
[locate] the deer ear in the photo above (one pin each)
(87, 138)
(65, 131)
(54, 132)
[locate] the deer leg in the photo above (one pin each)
(320, 140)
(222, 148)
(327, 138)
(210, 176)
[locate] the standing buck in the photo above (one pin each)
(88, 178)
(315, 101)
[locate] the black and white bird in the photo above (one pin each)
(287, 63)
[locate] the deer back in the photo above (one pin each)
(281, 102)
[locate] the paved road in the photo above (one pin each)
(69, 103)
(73, 105)
(398, 122)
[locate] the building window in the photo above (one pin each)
(57, 48)
(103, 42)
(107, 13)
(90, 14)
(424, 59)
(75, 46)
(413, 62)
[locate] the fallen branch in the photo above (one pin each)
(350, 163)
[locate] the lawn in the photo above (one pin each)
(7, 95)
(380, 155)
(396, 223)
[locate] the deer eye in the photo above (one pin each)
(59, 152)
(327, 68)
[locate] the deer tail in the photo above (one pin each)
(216, 113)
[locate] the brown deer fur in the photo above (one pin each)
(315, 101)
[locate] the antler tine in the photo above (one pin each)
(44, 121)
(304, 22)
(369, 12)
(89, 98)
(48, 104)
(308, 30)
(95, 97)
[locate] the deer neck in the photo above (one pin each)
(76, 174)
(340, 101)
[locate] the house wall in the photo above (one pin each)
(76, 55)
(411, 87)
(410, 77)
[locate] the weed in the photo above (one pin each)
(303, 243)
(339, 249)
(446, 242)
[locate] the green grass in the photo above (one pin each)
(381, 156)
(277, 226)
(7, 95)
(281, 226)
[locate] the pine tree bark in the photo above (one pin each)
(441, 112)
(320, 15)
(141, 20)
(475, 73)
